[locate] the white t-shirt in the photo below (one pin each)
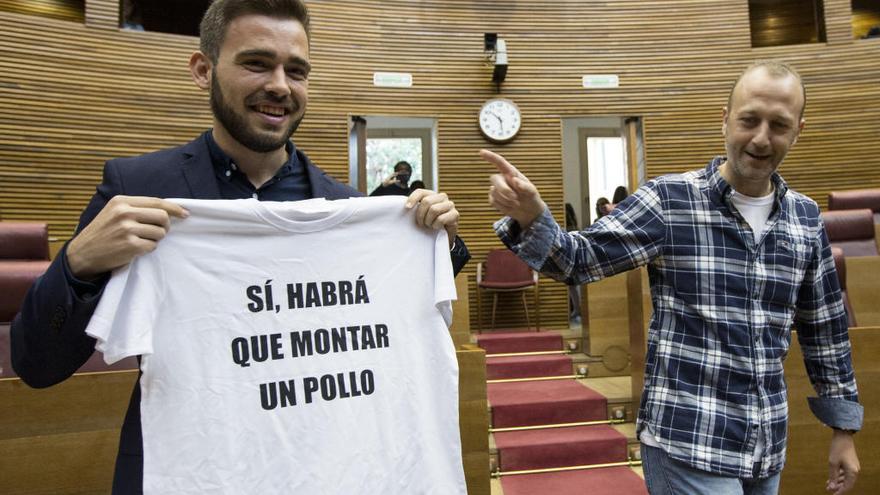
(755, 211)
(297, 347)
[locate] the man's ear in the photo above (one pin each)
(724, 121)
(200, 67)
(799, 129)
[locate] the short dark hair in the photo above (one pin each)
(401, 164)
(212, 29)
(775, 69)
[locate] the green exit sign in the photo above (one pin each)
(603, 81)
(392, 79)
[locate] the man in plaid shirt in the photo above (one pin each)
(735, 260)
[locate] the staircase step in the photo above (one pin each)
(558, 447)
(527, 366)
(544, 402)
(503, 342)
(605, 481)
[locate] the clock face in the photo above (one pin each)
(500, 120)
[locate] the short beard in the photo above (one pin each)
(236, 126)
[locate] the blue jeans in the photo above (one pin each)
(666, 476)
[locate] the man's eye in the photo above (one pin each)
(255, 65)
(749, 121)
(782, 126)
(297, 73)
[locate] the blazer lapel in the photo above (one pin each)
(198, 171)
(323, 186)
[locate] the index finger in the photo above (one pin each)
(417, 196)
(501, 163)
(172, 209)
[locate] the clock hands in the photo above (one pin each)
(500, 120)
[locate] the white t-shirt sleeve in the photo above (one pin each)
(444, 280)
(124, 319)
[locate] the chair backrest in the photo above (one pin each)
(852, 231)
(502, 265)
(24, 256)
(24, 241)
(840, 266)
(856, 200)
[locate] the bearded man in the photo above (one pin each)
(254, 61)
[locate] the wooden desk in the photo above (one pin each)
(806, 469)
(64, 439)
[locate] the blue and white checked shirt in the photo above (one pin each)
(724, 306)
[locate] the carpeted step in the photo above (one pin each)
(559, 447)
(544, 402)
(503, 342)
(527, 366)
(605, 481)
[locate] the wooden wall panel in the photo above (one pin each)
(102, 14)
(838, 22)
(65, 10)
(73, 96)
(782, 22)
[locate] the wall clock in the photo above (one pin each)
(500, 120)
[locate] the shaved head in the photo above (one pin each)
(776, 70)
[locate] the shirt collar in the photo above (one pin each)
(720, 189)
(225, 169)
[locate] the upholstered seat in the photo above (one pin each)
(505, 272)
(24, 256)
(852, 231)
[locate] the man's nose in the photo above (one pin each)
(761, 139)
(277, 83)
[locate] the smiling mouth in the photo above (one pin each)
(271, 110)
(758, 157)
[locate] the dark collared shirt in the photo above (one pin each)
(290, 183)
(724, 305)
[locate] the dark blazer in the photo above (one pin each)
(48, 337)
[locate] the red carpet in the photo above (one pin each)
(527, 366)
(608, 481)
(558, 447)
(544, 402)
(502, 342)
(551, 402)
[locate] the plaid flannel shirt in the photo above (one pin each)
(724, 307)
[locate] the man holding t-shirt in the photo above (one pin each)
(254, 60)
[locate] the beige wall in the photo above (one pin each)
(73, 96)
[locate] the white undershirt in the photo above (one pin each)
(756, 211)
